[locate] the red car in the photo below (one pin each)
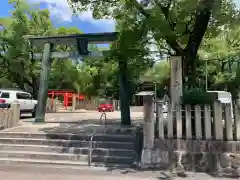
(105, 106)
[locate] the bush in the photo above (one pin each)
(198, 96)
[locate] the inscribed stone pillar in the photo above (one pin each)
(176, 80)
(176, 90)
(43, 87)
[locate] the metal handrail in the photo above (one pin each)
(105, 118)
(91, 149)
(92, 138)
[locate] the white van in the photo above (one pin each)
(27, 103)
(225, 98)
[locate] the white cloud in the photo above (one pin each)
(61, 10)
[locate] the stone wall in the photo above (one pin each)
(195, 139)
(196, 155)
(9, 117)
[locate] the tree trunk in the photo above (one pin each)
(189, 69)
(35, 87)
(203, 15)
(124, 92)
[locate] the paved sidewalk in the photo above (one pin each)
(56, 176)
(47, 173)
(50, 176)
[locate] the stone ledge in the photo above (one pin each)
(151, 157)
(197, 146)
(200, 162)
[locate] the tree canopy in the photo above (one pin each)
(176, 25)
(205, 33)
(93, 76)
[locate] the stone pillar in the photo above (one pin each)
(176, 88)
(160, 118)
(148, 130)
(16, 114)
(43, 87)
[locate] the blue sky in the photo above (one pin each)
(62, 16)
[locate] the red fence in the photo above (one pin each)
(67, 96)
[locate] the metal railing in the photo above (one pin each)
(91, 149)
(103, 115)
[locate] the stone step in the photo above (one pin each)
(73, 150)
(69, 143)
(66, 157)
(39, 163)
(68, 136)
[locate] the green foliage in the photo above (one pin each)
(93, 76)
(172, 28)
(159, 73)
(19, 67)
(177, 26)
(197, 96)
(221, 55)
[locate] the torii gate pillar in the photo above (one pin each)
(43, 87)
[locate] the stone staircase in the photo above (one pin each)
(109, 149)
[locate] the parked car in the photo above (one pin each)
(105, 106)
(4, 105)
(25, 100)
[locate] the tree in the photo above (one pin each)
(16, 58)
(159, 74)
(64, 74)
(132, 58)
(179, 25)
(18, 66)
(221, 55)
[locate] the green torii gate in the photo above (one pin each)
(81, 42)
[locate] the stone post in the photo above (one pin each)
(160, 118)
(43, 87)
(237, 122)
(148, 124)
(148, 128)
(16, 114)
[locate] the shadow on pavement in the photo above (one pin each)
(85, 128)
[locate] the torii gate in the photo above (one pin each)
(81, 41)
